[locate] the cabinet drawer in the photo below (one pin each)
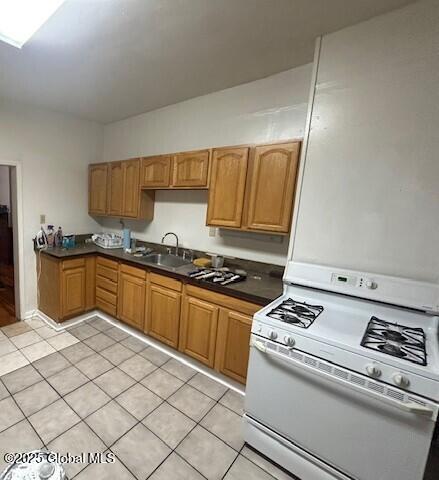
(74, 263)
(106, 296)
(106, 307)
(223, 300)
(165, 282)
(107, 273)
(135, 272)
(106, 284)
(105, 262)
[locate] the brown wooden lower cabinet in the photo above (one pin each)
(198, 330)
(73, 292)
(66, 287)
(232, 344)
(163, 314)
(131, 296)
(107, 277)
(215, 329)
(210, 327)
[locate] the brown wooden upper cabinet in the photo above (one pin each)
(97, 189)
(117, 185)
(131, 188)
(271, 186)
(190, 169)
(115, 189)
(253, 189)
(156, 172)
(183, 170)
(227, 187)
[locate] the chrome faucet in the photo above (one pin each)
(176, 240)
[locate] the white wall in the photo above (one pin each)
(262, 111)
(4, 186)
(370, 198)
(54, 151)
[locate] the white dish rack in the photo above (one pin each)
(107, 240)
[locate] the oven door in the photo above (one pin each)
(361, 427)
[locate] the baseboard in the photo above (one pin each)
(218, 377)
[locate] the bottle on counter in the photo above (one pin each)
(50, 236)
(58, 238)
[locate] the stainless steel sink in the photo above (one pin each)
(166, 260)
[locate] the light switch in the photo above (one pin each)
(42, 218)
(212, 231)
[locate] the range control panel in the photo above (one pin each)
(343, 279)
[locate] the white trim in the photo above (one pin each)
(143, 338)
(304, 150)
(18, 237)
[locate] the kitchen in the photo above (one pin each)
(314, 188)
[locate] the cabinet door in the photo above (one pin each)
(198, 330)
(97, 189)
(115, 188)
(190, 169)
(131, 188)
(227, 187)
(131, 300)
(232, 346)
(156, 172)
(72, 292)
(163, 314)
(272, 181)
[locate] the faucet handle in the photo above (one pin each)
(188, 254)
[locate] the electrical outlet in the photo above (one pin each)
(42, 218)
(212, 231)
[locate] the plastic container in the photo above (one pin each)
(126, 238)
(68, 241)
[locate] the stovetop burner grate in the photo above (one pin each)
(396, 340)
(296, 313)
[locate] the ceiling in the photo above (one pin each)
(106, 60)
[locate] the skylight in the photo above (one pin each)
(20, 19)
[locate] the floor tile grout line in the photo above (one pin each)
(179, 456)
(185, 382)
(25, 418)
(25, 388)
(71, 426)
(84, 419)
(90, 321)
(230, 466)
(115, 398)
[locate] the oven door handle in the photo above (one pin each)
(411, 407)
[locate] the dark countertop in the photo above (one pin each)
(259, 287)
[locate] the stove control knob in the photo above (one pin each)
(289, 341)
(371, 285)
(272, 334)
(400, 380)
(373, 371)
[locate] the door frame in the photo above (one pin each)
(16, 186)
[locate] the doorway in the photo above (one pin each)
(7, 276)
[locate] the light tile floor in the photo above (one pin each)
(97, 389)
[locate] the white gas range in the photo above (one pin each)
(343, 379)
